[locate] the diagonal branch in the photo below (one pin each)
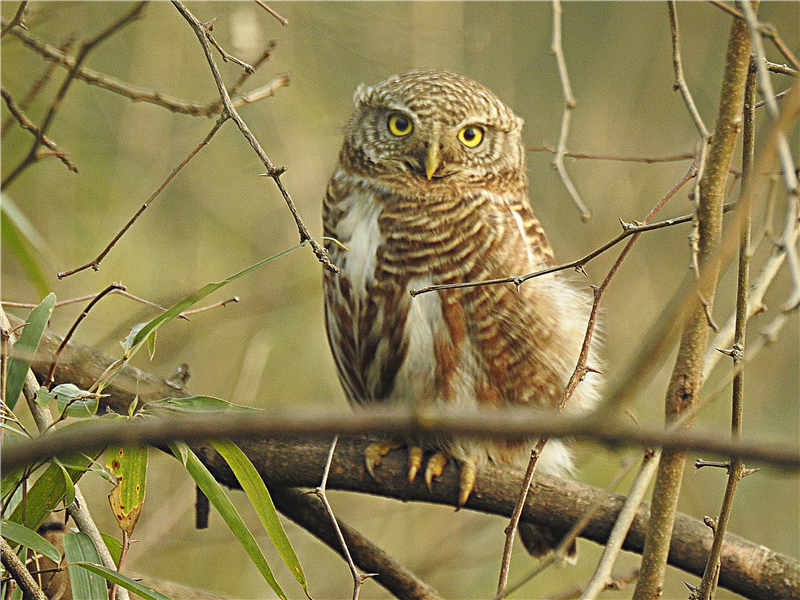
(272, 171)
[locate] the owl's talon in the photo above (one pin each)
(373, 455)
(414, 462)
(434, 468)
(468, 473)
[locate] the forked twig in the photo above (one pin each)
(272, 171)
(27, 124)
(86, 48)
(557, 50)
(139, 94)
(358, 578)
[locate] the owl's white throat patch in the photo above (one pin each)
(358, 230)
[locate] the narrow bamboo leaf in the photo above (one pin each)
(114, 547)
(48, 490)
(13, 429)
(30, 539)
(129, 465)
(213, 491)
(19, 235)
(146, 593)
(25, 349)
(253, 486)
(144, 331)
(195, 404)
(86, 585)
(69, 486)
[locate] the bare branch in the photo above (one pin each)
(282, 20)
(86, 48)
(140, 94)
(17, 19)
(27, 124)
(272, 171)
(95, 264)
(557, 50)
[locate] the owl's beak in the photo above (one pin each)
(433, 158)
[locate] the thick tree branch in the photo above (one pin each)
(748, 569)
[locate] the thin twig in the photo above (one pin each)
(558, 554)
(282, 20)
(27, 124)
(86, 48)
(17, 19)
(681, 85)
(764, 29)
(787, 163)
(228, 57)
(128, 295)
(95, 264)
(52, 371)
(358, 578)
(139, 94)
(513, 524)
(38, 85)
(557, 50)
(614, 157)
(272, 171)
(619, 582)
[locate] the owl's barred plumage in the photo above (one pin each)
(416, 202)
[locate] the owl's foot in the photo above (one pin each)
(373, 455)
(414, 462)
(468, 473)
(434, 468)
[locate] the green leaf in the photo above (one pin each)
(26, 347)
(13, 429)
(129, 584)
(86, 585)
(114, 547)
(253, 486)
(144, 331)
(213, 491)
(129, 465)
(195, 404)
(48, 490)
(30, 539)
(69, 486)
(18, 235)
(71, 401)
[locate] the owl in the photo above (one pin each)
(430, 189)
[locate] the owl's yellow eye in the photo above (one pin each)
(400, 125)
(471, 136)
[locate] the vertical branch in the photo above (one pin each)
(708, 585)
(686, 380)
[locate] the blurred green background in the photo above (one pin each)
(218, 216)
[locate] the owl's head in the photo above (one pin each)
(427, 127)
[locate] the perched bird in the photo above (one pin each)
(431, 188)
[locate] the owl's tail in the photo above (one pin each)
(539, 541)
